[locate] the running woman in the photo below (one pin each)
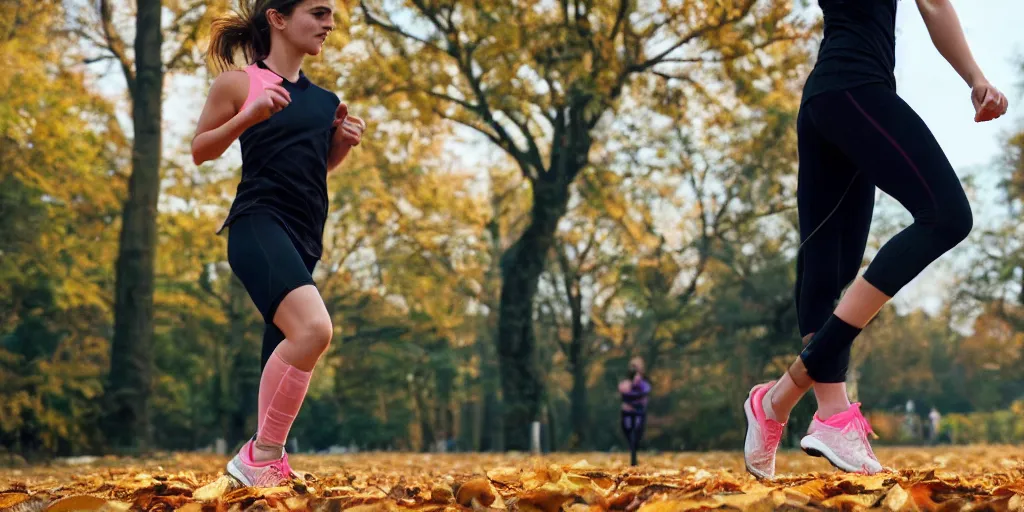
(292, 133)
(634, 392)
(856, 134)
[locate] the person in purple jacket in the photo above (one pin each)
(634, 391)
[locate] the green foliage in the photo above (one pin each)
(997, 427)
(60, 146)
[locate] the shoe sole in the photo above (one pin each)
(237, 474)
(815, 448)
(749, 414)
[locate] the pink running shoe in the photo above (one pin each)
(763, 435)
(262, 474)
(843, 440)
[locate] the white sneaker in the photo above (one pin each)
(264, 474)
(843, 440)
(763, 435)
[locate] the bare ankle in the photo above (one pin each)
(769, 408)
(783, 396)
(826, 411)
(832, 399)
(262, 452)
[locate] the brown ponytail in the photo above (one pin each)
(245, 28)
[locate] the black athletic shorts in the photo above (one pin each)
(267, 261)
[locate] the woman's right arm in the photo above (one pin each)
(219, 124)
(223, 119)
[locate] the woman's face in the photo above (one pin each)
(307, 26)
(637, 365)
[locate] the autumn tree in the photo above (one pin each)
(144, 64)
(997, 271)
(537, 79)
(60, 193)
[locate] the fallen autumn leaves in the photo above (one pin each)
(949, 478)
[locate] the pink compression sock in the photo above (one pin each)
(282, 389)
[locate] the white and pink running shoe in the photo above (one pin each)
(763, 435)
(843, 440)
(259, 474)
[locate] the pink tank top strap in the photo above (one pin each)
(258, 79)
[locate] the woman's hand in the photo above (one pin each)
(350, 128)
(988, 102)
(273, 99)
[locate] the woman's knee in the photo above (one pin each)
(316, 333)
(304, 319)
(955, 225)
(948, 221)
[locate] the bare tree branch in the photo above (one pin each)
(695, 34)
(464, 59)
(115, 44)
(620, 18)
(375, 21)
(187, 43)
(724, 58)
(526, 170)
(101, 58)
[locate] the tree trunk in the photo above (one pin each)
(551, 420)
(128, 386)
(220, 392)
(521, 267)
(578, 366)
(486, 421)
(575, 353)
(580, 412)
(444, 382)
(493, 435)
(488, 436)
(426, 422)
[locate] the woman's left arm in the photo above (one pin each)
(348, 132)
(948, 37)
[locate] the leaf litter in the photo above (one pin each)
(927, 479)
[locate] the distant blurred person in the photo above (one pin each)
(634, 391)
(935, 420)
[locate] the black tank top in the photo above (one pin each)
(284, 164)
(859, 46)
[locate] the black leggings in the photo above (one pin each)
(633, 424)
(850, 142)
(270, 265)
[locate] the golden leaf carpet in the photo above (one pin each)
(941, 478)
